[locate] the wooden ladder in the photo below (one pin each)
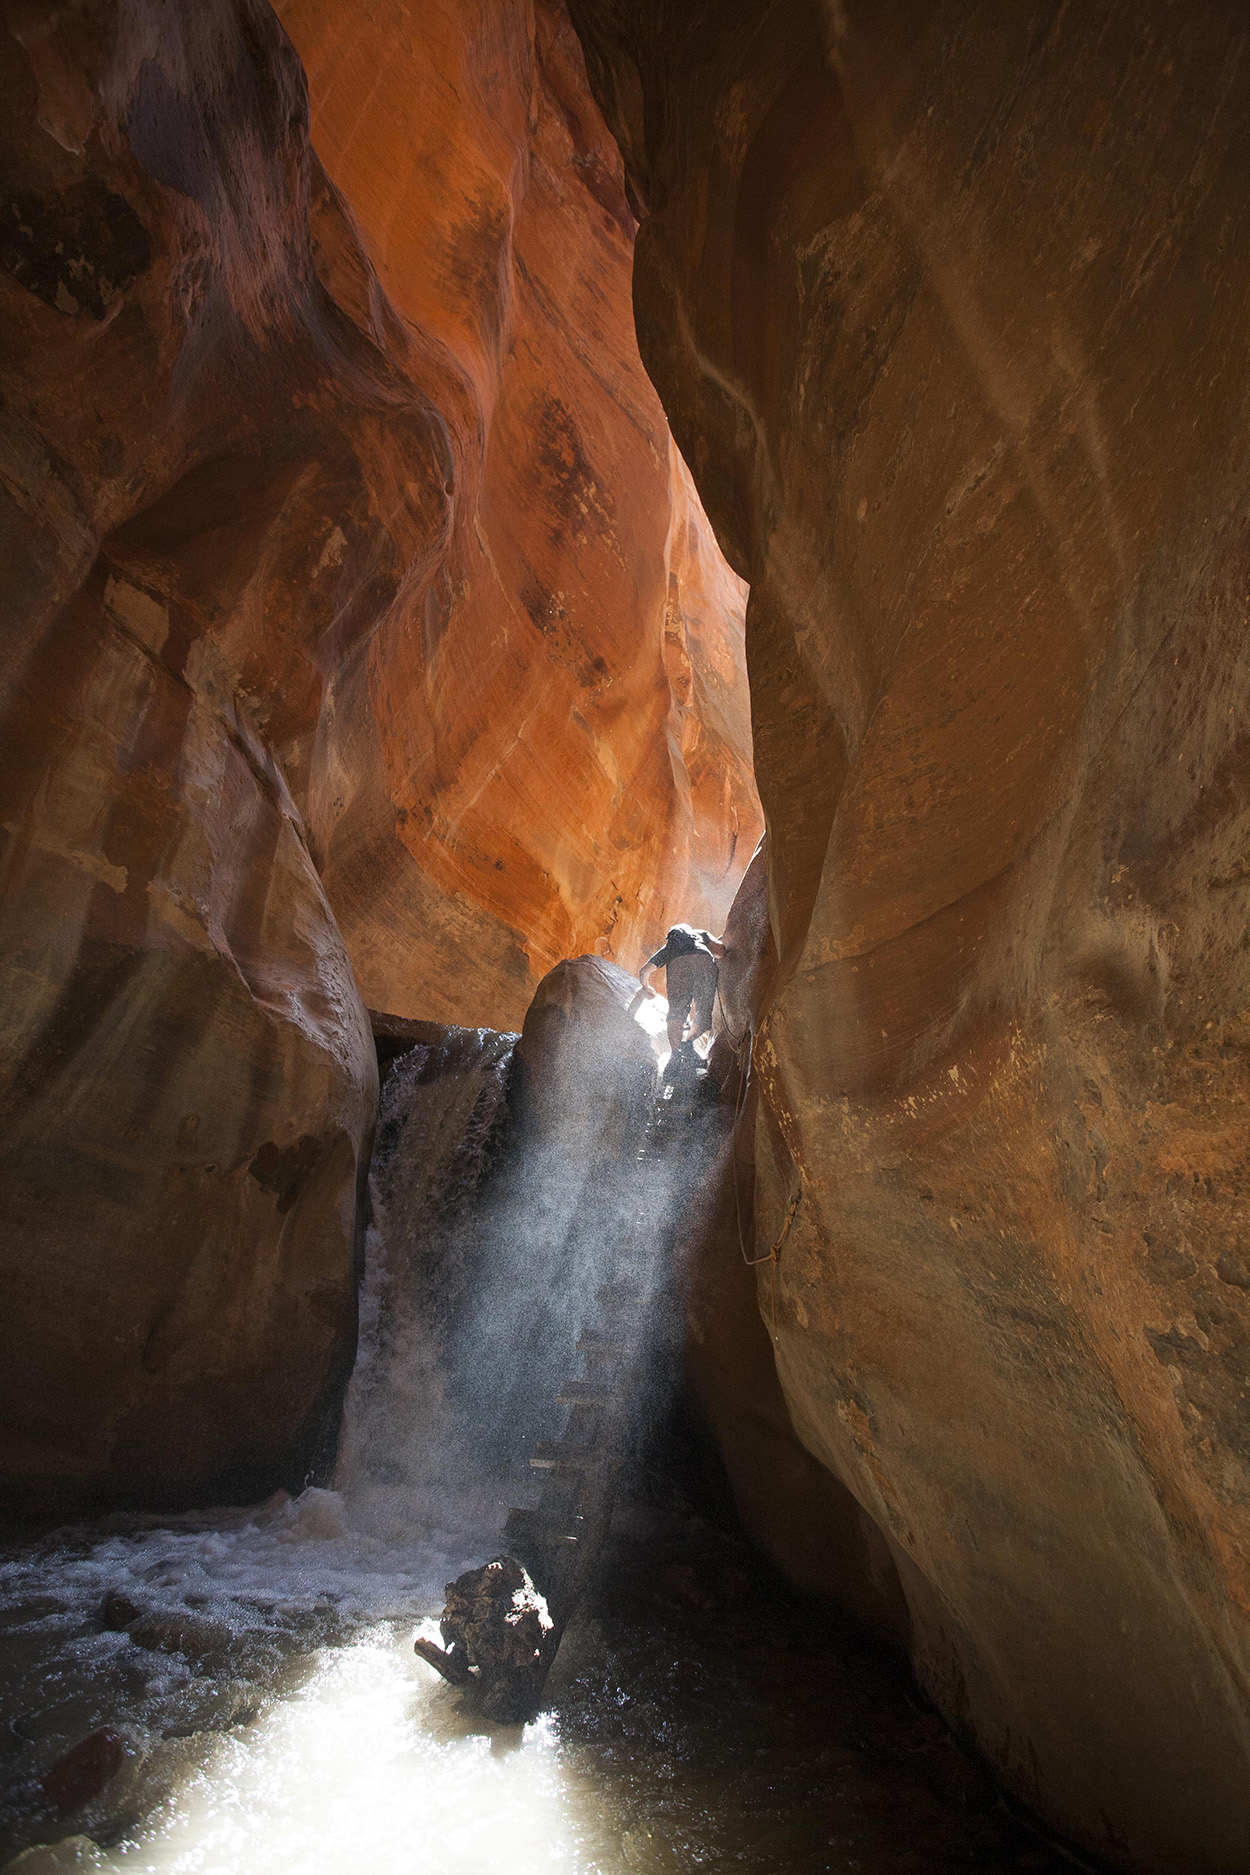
(560, 1540)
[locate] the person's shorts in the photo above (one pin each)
(691, 982)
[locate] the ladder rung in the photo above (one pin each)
(604, 1344)
(585, 1393)
(547, 1452)
(532, 1526)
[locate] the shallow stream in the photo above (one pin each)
(236, 1692)
(280, 1723)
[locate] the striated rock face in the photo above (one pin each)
(796, 1509)
(944, 306)
(545, 749)
(342, 604)
(187, 1079)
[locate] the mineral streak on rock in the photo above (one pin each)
(944, 305)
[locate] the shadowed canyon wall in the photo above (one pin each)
(945, 303)
(362, 629)
(188, 1075)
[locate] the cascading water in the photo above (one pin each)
(247, 1676)
(495, 1206)
(402, 1467)
(499, 1205)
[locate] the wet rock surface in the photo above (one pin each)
(85, 1770)
(58, 1858)
(495, 1624)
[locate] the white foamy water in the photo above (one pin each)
(287, 1557)
(275, 1714)
(258, 1663)
(366, 1765)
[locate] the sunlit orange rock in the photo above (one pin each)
(187, 1083)
(945, 307)
(341, 603)
(546, 749)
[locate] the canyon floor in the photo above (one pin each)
(699, 1717)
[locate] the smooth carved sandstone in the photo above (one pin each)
(546, 749)
(363, 628)
(187, 1081)
(792, 1505)
(944, 305)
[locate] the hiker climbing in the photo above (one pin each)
(688, 958)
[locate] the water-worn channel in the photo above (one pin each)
(697, 1719)
(241, 1687)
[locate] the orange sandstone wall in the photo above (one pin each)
(187, 1084)
(545, 749)
(340, 606)
(946, 305)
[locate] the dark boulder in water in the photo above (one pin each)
(85, 1769)
(118, 1612)
(496, 1620)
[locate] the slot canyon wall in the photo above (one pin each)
(364, 634)
(945, 303)
(513, 771)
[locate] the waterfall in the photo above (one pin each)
(500, 1199)
(400, 1466)
(510, 1176)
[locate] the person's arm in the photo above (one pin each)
(652, 963)
(645, 988)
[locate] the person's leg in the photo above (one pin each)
(703, 996)
(679, 981)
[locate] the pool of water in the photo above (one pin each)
(275, 1719)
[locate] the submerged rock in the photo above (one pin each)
(85, 1769)
(180, 1631)
(49, 1858)
(496, 1621)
